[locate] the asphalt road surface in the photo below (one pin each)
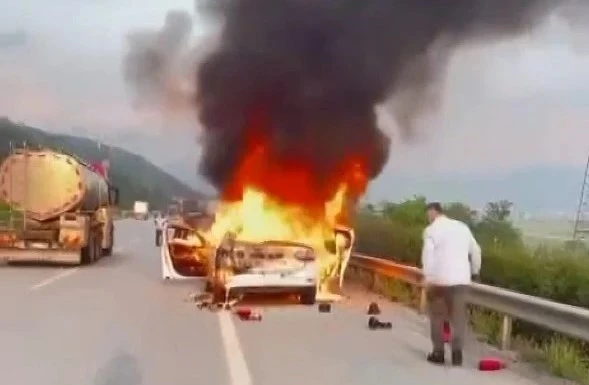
(117, 323)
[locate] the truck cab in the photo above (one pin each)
(141, 210)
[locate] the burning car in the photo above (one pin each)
(277, 266)
(236, 267)
(241, 267)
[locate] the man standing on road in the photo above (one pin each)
(450, 258)
(160, 222)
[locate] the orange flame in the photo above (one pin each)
(278, 198)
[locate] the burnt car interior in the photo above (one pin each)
(242, 256)
(187, 250)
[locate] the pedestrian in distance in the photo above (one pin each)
(451, 259)
(160, 222)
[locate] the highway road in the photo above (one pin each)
(116, 322)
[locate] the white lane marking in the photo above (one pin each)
(53, 278)
(238, 370)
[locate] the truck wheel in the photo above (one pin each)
(309, 296)
(107, 252)
(97, 247)
(86, 254)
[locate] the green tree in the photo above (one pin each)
(461, 212)
(498, 211)
(411, 211)
(496, 230)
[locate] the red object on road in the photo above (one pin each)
(246, 314)
(489, 364)
(243, 312)
(255, 316)
(446, 332)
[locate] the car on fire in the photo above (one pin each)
(236, 267)
(241, 267)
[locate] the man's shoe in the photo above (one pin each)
(457, 358)
(436, 357)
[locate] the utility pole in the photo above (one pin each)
(582, 216)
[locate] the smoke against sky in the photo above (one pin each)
(527, 97)
(318, 70)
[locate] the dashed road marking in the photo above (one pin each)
(53, 278)
(238, 370)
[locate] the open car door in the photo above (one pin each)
(185, 252)
(347, 237)
(333, 271)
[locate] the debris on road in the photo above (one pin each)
(229, 305)
(374, 323)
(373, 309)
(247, 314)
(255, 316)
(205, 301)
(324, 307)
(203, 304)
(199, 297)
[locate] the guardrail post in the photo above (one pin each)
(375, 284)
(506, 326)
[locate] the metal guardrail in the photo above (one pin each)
(566, 319)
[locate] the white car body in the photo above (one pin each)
(240, 268)
(276, 275)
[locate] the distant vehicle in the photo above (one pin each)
(61, 210)
(193, 212)
(141, 210)
(173, 211)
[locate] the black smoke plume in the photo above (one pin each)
(318, 69)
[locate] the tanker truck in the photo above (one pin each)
(61, 210)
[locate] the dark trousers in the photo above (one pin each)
(448, 303)
(158, 237)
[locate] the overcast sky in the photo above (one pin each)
(517, 103)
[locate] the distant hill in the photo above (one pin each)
(136, 177)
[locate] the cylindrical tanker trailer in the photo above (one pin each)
(61, 209)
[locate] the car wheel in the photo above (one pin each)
(309, 296)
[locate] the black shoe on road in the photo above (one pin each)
(436, 358)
